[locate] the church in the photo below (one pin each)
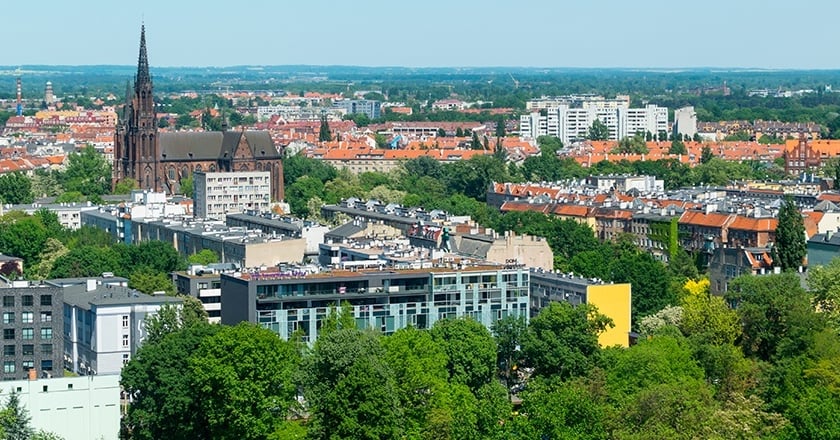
(160, 160)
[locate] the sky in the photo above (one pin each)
(770, 34)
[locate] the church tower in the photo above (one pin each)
(135, 143)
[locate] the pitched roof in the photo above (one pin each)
(214, 145)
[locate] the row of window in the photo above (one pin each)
(27, 333)
(27, 349)
(9, 366)
(26, 317)
(26, 300)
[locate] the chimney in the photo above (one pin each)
(828, 236)
(33, 374)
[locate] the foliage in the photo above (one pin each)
(125, 186)
(677, 147)
(187, 185)
(203, 257)
(631, 145)
(509, 333)
(598, 131)
(470, 351)
(338, 318)
(149, 281)
(669, 316)
(22, 236)
(324, 133)
(15, 188)
(824, 283)
(708, 317)
(15, 419)
(87, 172)
(790, 236)
(562, 341)
(706, 154)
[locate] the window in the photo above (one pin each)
(46, 349)
(46, 316)
(8, 333)
(8, 317)
(46, 333)
(125, 321)
(27, 365)
(126, 358)
(28, 349)
(46, 300)
(125, 341)
(8, 350)
(8, 301)
(27, 317)
(27, 300)
(27, 333)
(8, 367)
(46, 365)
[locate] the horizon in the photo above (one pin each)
(437, 34)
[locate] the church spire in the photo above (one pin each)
(142, 61)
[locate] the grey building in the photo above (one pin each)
(728, 263)
(370, 108)
(204, 283)
(33, 327)
(822, 248)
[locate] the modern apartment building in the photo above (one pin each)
(32, 329)
(370, 108)
(571, 118)
(204, 283)
(387, 300)
(218, 194)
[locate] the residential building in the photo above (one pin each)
(160, 161)
(727, 263)
(32, 329)
(626, 183)
(385, 300)
(367, 107)
(69, 214)
(74, 408)
(217, 194)
(204, 283)
(822, 248)
(612, 300)
(685, 122)
(272, 224)
(105, 325)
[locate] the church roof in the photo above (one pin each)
(214, 145)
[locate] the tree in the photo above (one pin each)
(509, 333)
(598, 131)
(706, 154)
(125, 186)
(790, 236)
(631, 145)
(338, 318)
(11, 270)
(350, 389)
(441, 132)
(15, 421)
(824, 282)
(15, 188)
(470, 350)
(164, 402)
(149, 281)
(459, 132)
(187, 185)
(677, 147)
(500, 127)
(87, 172)
(23, 237)
(85, 261)
(244, 375)
(324, 133)
(203, 257)
(562, 341)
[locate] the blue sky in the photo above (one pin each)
(427, 33)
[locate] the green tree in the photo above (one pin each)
(500, 127)
(85, 261)
(15, 188)
(631, 145)
(470, 350)
(203, 257)
(706, 154)
(677, 147)
(186, 185)
(598, 131)
(441, 132)
(824, 283)
(509, 333)
(148, 281)
(22, 237)
(350, 389)
(15, 420)
(244, 375)
(87, 172)
(790, 236)
(125, 186)
(562, 341)
(324, 133)
(164, 401)
(338, 318)
(560, 410)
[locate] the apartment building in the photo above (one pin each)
(204, 283)
(218, 194)
(32, 329)
(370, 108)
(386, 300)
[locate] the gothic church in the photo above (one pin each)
(160, 160)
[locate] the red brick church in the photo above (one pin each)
(159, 161)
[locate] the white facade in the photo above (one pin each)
(218, 194)
(74, 408)
(685, 121)
(570, 120)
(69, 214)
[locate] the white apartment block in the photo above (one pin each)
(685, 121)
(570, 118)
(217, 194)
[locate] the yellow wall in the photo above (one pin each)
(614, 301)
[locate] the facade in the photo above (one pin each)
(69, 214)
(727, 264)
(387, 300)
(612, 300)
(685, 121)
(370, 108)
(160, 161)
(74, 408)
(204, 283)
(105, 325)
(217, 194)
(32, 329)
(571, 119)
(822, 248)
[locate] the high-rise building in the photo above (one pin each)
(33, 326)
(685, 121)
(367, 107)
(161, 161)
(217, 194)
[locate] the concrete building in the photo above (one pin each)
(370, 108)
(32, 329)
(571, 118)
(74, 408)
(822, 248)
(643, 184)
(386, 300)
(685, 121)
(204, 284)
(218, 194)
(105, 325)
(612, 300)
(69, 214)
(276, 225)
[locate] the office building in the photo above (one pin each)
(218, 194)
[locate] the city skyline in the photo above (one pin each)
(536, 33)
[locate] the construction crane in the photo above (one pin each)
(515, 82)
(395, 142)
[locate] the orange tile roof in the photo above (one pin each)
(699, 218)
(754, 224)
